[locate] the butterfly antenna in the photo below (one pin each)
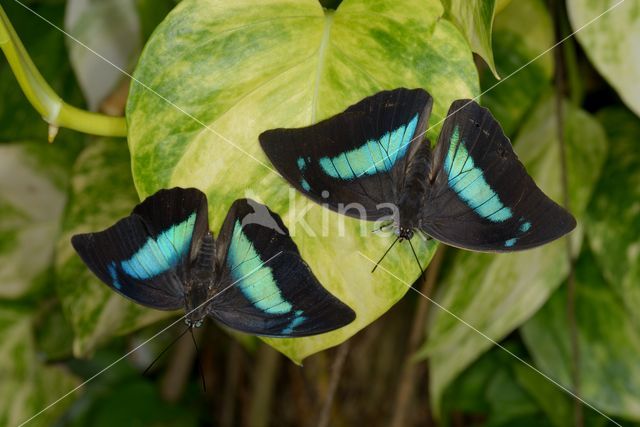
(200, 370)
(416, 257)
(164, 351)
(382, 227)
(385, 254)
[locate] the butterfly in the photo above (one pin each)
(372, 162)
(252, 278)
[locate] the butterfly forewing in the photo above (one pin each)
(480, 195)
(146, 255)
(358, 156)
(266, 288)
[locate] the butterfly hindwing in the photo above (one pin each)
(146, 255)
(357, 156)
(266, 287)
(481, 197)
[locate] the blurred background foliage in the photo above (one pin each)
(568, 310)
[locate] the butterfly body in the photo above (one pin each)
(470, 191)
(252, 278)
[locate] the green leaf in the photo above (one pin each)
(608, 340)
(243, 67)
(501, 5)
(554, 402)
(27, 386)
(475, 19)
(134, 403)
(490, 388)
(101, 194)
(516, 42)
(495, 293)
(33, 185)
(614, 214)
(611, 42)
(110, 28)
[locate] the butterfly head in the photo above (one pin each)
(404, 233)
(196, 305)
(193, 323)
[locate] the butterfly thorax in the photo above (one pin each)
(200, 282)
(414, 190)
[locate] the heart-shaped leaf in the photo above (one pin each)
(496, 293)
(217, 73)
(101, 194)
(608, 31)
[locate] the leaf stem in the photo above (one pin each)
(336, 374)
(44, 99)
(561, 89)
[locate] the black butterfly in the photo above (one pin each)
(471, 191)
(252, 278)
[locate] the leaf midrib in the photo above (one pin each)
(322, 51)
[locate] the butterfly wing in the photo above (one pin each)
(481, 197)
(146, 256)
(357, 156)
(266, 288)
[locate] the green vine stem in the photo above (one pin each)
(44, 99)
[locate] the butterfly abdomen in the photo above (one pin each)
(414, 187)
(204, 264)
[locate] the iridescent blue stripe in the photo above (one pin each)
(467, 180)
(254, 279)
(162, 253)
(295, 322)
(373, 157)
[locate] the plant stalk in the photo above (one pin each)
(406, 384)
(44, 99)
(558, 8)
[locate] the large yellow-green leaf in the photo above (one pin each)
(242, 67)
(33, 184)
(475, 19)
(614, 214)
(495, 293)
(516, 42)
(101, 193)
(26, 385)
(611, 42)
(608, 340)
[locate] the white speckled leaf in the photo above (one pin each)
(101, 193)
(516, 42)
(110, 28)
(33, 181)
(495, 293)
(26, 385)
(608, 340)
(611, 42)
(243, 67)
(475, 19)
(614, 214)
